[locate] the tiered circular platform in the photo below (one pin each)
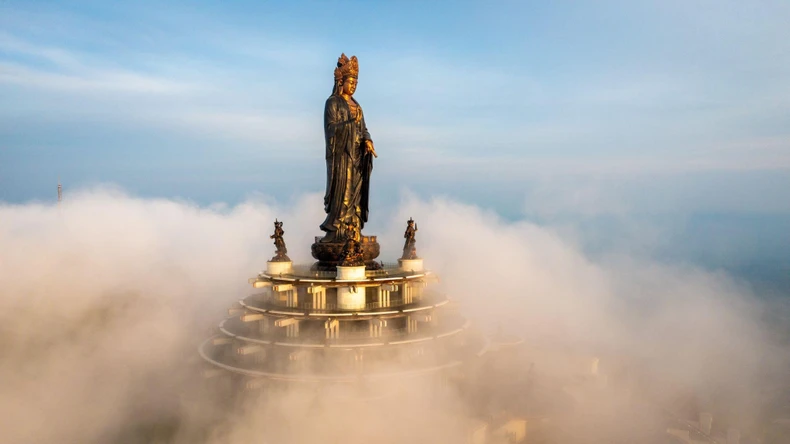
(343, 326)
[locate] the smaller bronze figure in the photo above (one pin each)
(409, 251)
(352, 250)
(279, 243)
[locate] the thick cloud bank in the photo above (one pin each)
(104, 299)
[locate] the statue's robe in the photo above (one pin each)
(348, 167)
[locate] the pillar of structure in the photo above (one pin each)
(291, 326)
(411, 324)
(408, 293)
(350, 273)
(377, 327)
(319, 296)
(351, 297)
(705, 422)
(384, 294)
(332, 327)
(413, 265)
(286, 293)
(276, 268)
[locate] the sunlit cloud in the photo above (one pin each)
(127, 287)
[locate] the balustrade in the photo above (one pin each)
(320, 305)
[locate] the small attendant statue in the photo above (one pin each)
(409, 251)
(279, 243)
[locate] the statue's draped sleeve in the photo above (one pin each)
(365, 133)
(333, 131)
(367, 168)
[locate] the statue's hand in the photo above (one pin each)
(369, 148)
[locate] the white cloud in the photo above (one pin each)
(91, 81)
(58, 56)
(103, 300)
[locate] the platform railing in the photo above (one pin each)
(386, 333)
(307, 271)
(308, 305)
(333, 307)
(387, 269)
(363, 334)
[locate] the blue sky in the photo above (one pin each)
(535, 105)
(651, 126)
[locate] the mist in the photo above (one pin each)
(104, 299)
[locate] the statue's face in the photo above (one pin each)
(349, 85)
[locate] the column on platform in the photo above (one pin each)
(332, 327)
(263, 325)
(297, 359)
(259, 319)
(419, 288)
(377, 327)
(411, 324)
(286, 293)
(291, 326)
(260, 357)
(251, 317)
(412, 291)
(351, 297)
(265, 294)
(255, 384)
(319, 296)
(383, 297)
(359, 361)
(276, 268)
(408, 293)
(224, 340)
(249, 349)
(424, 317)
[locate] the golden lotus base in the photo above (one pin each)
(330, 254)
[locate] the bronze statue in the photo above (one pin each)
(409, 250)
(279, 243)
(352, 250)
(349, 155)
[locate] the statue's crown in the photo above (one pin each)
(346, 67)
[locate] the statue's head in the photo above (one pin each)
(349, 86)
(410, 221)
(346, 74)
